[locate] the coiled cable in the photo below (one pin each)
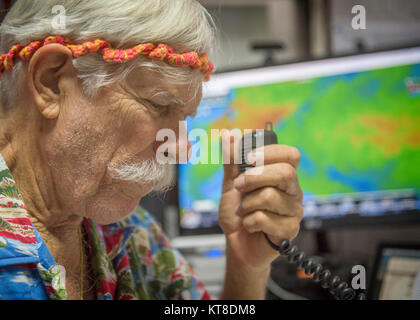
(334, 284)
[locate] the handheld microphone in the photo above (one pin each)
(336, 286)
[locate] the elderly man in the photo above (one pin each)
(81, 106)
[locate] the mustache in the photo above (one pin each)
(147, 171)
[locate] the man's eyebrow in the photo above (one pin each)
(170, 97)
(175, 100)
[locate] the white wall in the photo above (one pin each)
(237, 28)
(389, 23)
(242, 22)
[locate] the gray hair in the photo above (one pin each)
(161, 175)
(185, 25)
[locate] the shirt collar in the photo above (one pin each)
(19, 242)
(112, 237)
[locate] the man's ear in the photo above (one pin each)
(49, 72)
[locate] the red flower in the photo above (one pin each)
(205, 296)
(108, 287)
(50, 289)
(123, 263)
(148, 258)
(176, 274)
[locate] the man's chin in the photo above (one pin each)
(114, 214)
(132, 205)
(116, 202)
(116, 209)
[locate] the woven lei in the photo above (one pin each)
(160, 52)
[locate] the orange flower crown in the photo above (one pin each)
(161, 52)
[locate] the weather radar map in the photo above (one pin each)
(357, 132)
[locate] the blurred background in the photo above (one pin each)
(361, 207)
(308, 29)
(340, 80)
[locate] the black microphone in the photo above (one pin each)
(336, 286)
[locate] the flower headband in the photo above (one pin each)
(161, 52)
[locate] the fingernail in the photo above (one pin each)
(239, 182)
(250, 157)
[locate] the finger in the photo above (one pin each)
(230, 142)
(272, 224)
(279, 175)
(270, 199)
(276, 153)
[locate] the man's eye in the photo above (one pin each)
(155, 107)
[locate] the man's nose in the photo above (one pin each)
(183, 144)
(173, 145)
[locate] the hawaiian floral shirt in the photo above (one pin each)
(131, 259)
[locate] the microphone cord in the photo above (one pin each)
(334, 284)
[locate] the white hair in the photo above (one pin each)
(147, 171)
(185, 25)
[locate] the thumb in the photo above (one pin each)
(230, 157)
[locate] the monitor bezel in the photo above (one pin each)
(374, 285)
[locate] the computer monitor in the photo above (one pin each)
(354, 119)
(396, 272)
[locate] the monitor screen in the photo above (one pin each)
(355, 121)
(396, 273)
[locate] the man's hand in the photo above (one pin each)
(269, 202)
